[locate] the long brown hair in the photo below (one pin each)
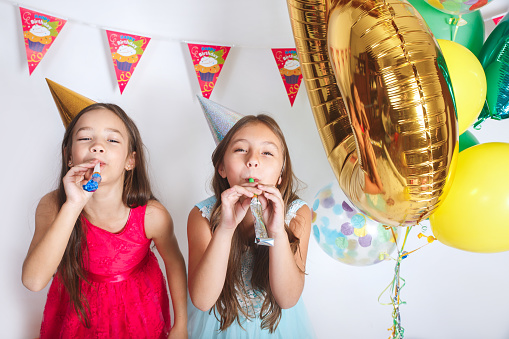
(227, 304)
(136, 192)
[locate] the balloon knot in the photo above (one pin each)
(457, 21)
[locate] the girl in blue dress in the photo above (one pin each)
(239, 289)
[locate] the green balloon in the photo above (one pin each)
(470, 35)
(494, 58)
(495, 42)
(467, 139)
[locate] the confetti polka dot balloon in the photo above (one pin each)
(345, 233)
(458, 7)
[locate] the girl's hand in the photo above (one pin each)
(235, 204)
(273, 209)
(178, 332)
(73, 181)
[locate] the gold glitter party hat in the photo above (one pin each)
(69, 103)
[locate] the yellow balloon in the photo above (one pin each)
(468, 82)
(450, 177)
(475, 214)
(380, 93)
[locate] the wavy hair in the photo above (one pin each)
(136, 192)
(227, 308)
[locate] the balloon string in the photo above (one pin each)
(404, 240)
(407, 253)
(455, 31)
(397, 283)
(397, 329)
(458, 22)
(395, 286)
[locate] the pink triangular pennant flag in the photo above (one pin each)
(208, 62)
(126, 51)
(288, 64)
(40, 31)
(497, 19)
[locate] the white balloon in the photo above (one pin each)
(345, 233)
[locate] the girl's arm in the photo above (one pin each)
(159, 228)
(286, 270)
(52, 231)
(53, 228)
(208, 260)
(209, 253)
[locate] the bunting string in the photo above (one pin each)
(153, 35)
(41, 29)
(127, 50)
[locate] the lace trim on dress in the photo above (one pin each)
(206, 206)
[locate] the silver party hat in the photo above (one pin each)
(220, 118)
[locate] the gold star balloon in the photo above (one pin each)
(381, 97)
(69, 103)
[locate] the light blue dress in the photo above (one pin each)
(294, 324)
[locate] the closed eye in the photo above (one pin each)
(239, 150)
(267, 153)
(84, 139)
(113, 140)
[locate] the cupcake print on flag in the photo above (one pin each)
(126, 51)
(39, 31)
(289, 67)
(208, 62)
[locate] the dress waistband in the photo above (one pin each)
(101, 278)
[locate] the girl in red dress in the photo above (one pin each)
(108, 283)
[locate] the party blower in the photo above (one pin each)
(93, 184)
(381, 96)
(261, 235)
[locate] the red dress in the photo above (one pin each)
(126, 291)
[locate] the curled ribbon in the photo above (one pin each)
(39, 55)
(397, 283)
(293, 90)
(195, 51)
(26, 17)
(208, 87)
(279, 56)
(113, 38)
(126, 78)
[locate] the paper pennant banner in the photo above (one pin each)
(289, 67)
(39, 31)
(126, 51)
(497, 19)
(208, 62)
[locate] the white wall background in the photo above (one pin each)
(449, 293)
